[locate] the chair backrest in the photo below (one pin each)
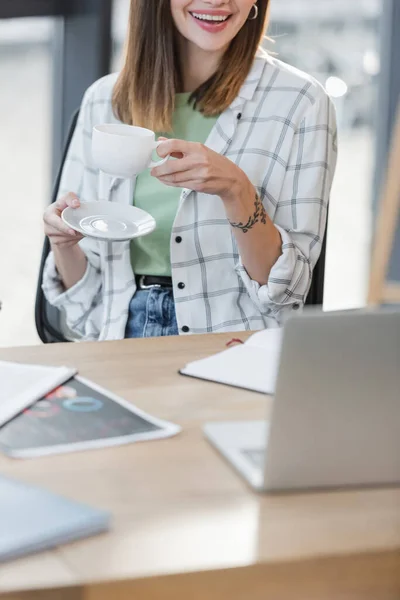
(316, 294)
(48, 318)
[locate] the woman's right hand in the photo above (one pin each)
(59, 233)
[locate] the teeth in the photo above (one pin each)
(202, 17)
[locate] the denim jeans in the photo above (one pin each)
(152, 314)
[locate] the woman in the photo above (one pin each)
(240, 213)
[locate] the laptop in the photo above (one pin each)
(335, 419)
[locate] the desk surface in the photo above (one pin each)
(182, 517)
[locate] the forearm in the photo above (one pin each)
(71, 264)
(259, 242)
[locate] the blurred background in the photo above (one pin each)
(47, 61)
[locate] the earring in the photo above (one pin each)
(255, 15)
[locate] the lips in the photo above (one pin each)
(212, 22)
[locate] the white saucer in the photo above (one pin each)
(109, 221)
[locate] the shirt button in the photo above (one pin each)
(178, 239)
(181, 285)
(185, 329)
(296, 306)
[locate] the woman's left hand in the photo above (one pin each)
(198, 168)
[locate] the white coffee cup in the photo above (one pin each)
(124, 150)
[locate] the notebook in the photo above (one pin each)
(22, 385)
(252, 365)
(32, 519)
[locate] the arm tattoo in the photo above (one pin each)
(259, 215)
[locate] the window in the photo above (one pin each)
(25, 141)
(337, 42)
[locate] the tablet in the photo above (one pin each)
(79, 415)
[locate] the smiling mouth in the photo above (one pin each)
(211, 19)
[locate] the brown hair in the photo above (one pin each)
(145, 91)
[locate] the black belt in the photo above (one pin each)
(146, 282)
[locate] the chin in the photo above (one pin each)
(211, 45)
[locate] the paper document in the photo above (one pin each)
(22, 385)
(252, 365)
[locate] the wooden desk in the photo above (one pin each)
(185, 525)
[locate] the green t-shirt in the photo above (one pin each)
(150, 255)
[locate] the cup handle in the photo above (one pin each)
(157, 163)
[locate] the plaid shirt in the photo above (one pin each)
(281, 131)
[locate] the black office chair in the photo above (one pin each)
(48, 318)
(315, 296)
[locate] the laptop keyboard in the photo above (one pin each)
(256, 457)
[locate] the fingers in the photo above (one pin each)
(189, 179)
(69, 199)
(179, 179)
(177, 147)
(53, 223)
(173, 166)
(59, 239)
(173, 154)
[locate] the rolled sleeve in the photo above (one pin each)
(301, 213)
(77, 295)
(290, 268)
(78, 304)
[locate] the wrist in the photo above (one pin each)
(71, 264)
(240, 192)
(71, 255)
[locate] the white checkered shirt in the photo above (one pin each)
(281, 131)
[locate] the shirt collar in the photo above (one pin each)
(251, 82)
